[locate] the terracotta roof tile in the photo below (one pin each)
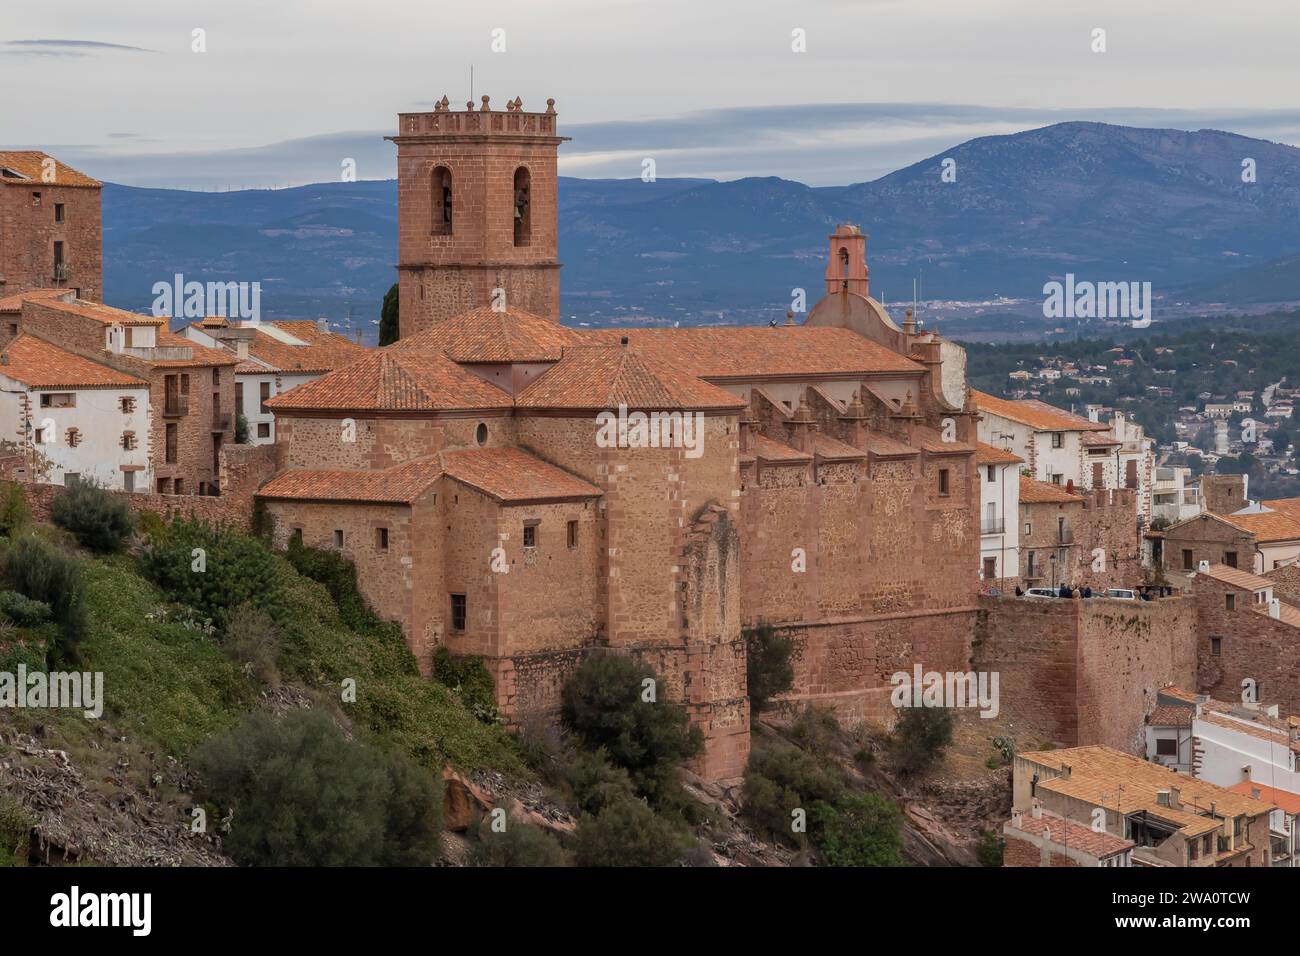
(1286, 613)
(395, 380)
(1285, 799)
(1097, 771)
(40, 364)
(1035, 492)
(833, 449)
(744, 353)
(770, 450)
(14, 303)
(29, 164)
(1236, 577)
(1068, 833)
(318, 352)
(1037, 415)
(986, 454)
(1171, 715)
(99, 312)
(400, 484)
(1267, 525)
(887, 447)
(1099, 440)
(932, 441)
(485, 335)
(607, 376)
(513, 476)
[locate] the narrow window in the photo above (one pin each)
(458, 612)
(530, 534)
(523, 203)
(58, 212)
(128, 481)
(296, 536)
(170, 451)
(991, 477)
(573, 534)
(943, 481)
(338, 539)
(1058, 440)
(263, 429)
(179, 486)
(1188, 563)
(216, 376)
(1230, 558)
(263, 393)
(59, 269)
(441, 196)
(1230, 602)
(381, 539)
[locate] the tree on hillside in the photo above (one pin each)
(388, 327)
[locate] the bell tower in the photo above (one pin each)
(846, 267)
(476, 204)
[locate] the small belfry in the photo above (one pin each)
(476, 193)
(846, 266)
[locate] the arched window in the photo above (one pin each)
(441, 196)
(523, 204)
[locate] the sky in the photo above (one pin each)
(283, 92)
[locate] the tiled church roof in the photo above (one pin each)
(605, 377)
(401, 484)
(485, 335)
(397, 380)
(513, 476)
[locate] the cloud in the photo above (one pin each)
(821, 144)
(66, 48)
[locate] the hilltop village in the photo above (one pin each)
(531, 494)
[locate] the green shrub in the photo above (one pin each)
(241, 429)
(43, 573)
(817, 731)
(920, 737)
(16, 823)
(14, 511)
(627, 833)
(23, 611)
(100, 519)
(468, 677)
(339, 576)
(304, 795)
(989, 849)
(781, 779)
(151, 525)
(215, 569)
(861, 830)
(769, 672)
(595, 782)
(251, 639)
(605, 704)
(519, 845)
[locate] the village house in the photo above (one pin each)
(999, 508)
(1045, 839)
(1170, 818)
(274, 357)
(70, 419)
(50, 232)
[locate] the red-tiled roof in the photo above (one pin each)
(607, 376)
(833, 449)
(1267, 525)
(1236, 577)
(770, 450)
(14, 303)
(1068, 833)
(40, 364)
(1099, 440)
(932, 441)
(887, 447)
(31, 164)
(1284, 799)
(1171, 715)
(991, 455)
(1035, 492)
(400, 484)
(319, 351)
(744, 353)
(1037, 415)
(485, 335)
(99, 312)
(513, 476)
(395, 380)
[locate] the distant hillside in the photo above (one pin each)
(1105, 202)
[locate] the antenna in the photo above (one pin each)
(471, 82)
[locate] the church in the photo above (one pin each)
(817, 477)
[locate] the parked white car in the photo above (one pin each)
(1041, 593)
(1122, 594)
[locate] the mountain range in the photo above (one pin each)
(1105, 202)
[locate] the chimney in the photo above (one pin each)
(1174, 798)
(1275, 609)
(909, 323)
(241, 348)
(1036, 810)
(1162, 798)
(323, 324)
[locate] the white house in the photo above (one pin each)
(1172, 497)
(999, 475)
(74, 419)
(1243, 747)
(276, 357)
(1049, 440)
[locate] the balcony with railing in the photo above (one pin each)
(993, 526)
